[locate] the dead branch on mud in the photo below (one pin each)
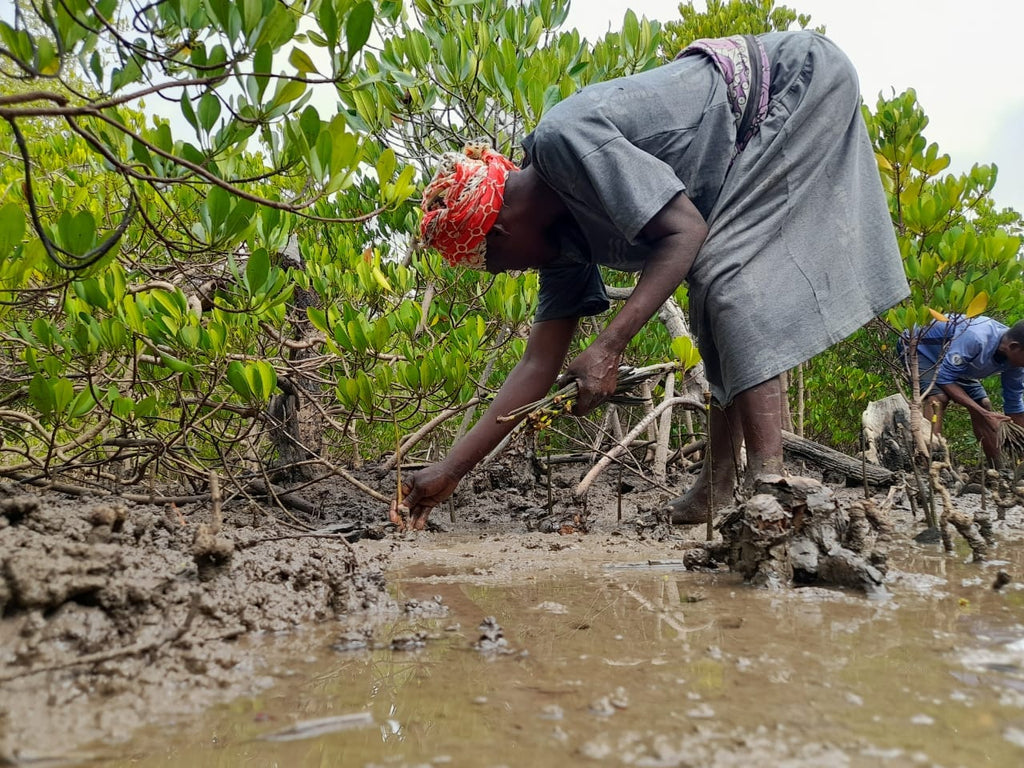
(674, 402)
(828, 458)
(310, 535)
(423, 431)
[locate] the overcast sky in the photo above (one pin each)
(964, 59)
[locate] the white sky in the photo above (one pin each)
(964, 59)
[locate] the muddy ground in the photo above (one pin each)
(117, 614)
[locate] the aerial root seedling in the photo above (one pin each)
(561, 400)
(1011, 441)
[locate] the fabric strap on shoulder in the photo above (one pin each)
(743, 63)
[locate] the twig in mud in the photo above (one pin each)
(216, 518)
(637, 471)
(78, 490)
(399, 506)
(709, 532)
(407, 445)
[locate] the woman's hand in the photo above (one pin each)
(596, 371)
(421, 492)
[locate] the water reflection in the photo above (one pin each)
(651, 666)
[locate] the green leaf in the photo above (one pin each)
(40, 392)
(309, 122)
(218, 204)
(386, 165)
(82, 404)
(217, 335)
(237, 379)
(78, 232)
(129, 73)
(18, 41)
(328, 22)
(279, 27)
(91, 292)
(239, 218)
(358, 27)
(286, 92)
(209, 111)
(48, 63)
(685, 351)
(318, 318)
(122, 407)
(268, 378)
(146, 407)
(176, 365)
(63, 392)
(190, 336)
(12, 228)
(253, 381)
(188, 111)
(301, 61)
(262, 61)
(256, 270)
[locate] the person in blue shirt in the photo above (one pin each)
(954, 356)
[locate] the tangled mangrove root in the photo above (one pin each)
(794, 531)
(1011, 441)
(976, 529)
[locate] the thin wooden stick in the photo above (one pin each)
(608, 458)
(710, 466)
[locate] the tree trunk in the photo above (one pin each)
(885, 425)
(298, 426)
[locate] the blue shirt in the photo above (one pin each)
(968, 348)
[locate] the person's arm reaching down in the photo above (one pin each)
(530, 380)
(990, 419)
(676, 234)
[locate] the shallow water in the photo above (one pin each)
(644, 664)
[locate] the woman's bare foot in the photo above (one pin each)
(692, 507)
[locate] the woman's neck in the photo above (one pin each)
(530, 198)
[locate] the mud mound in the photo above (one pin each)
(111, 597)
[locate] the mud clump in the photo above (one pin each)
(210, 551)
(14, 509)
(128, 601)
(110, 516)
(794, 531)
(492, 639)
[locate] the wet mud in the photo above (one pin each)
(638, 663)
(114, 613)
(490, 643)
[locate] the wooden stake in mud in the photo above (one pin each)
(864, 464)
(551, 497)
(618, 498)
(709, 463)
(216, 499)
(398, 463)
(984, 477)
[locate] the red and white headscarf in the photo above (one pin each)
(462, 201)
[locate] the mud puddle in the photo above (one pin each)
(639, 664)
